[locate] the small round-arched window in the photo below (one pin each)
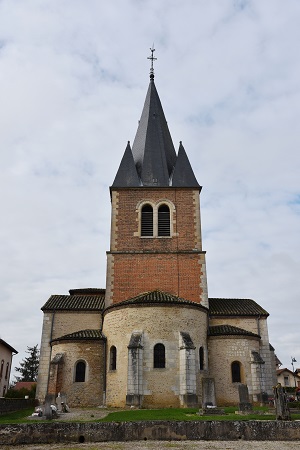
(236, 372)
(159, 356)
(80, 370)
(113, 358)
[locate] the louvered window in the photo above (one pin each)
(159, 357)
(236, 372)
(147, 221)
(163, 221)
(80, 372)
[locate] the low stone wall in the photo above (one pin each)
(8, 405)
(59, 432)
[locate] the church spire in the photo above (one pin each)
(153, 160)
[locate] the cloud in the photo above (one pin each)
(73, 78)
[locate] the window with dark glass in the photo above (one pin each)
(1, 368)
(164, 221)
(113, 358)
(6, 372)
(236, 372)
(159, 356)
(201, 358)
(147, 221)
(80, 372)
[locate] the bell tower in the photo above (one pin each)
(156, 239)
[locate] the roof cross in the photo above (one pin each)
(152, 59)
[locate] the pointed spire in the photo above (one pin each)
(153, 150)
(127, 175)
(183, 175)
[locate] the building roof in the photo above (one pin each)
(229, 330)
(156, 297)
(153, 161)
(235, 307)
(5, 344)
(24, 385)
(82, 335)
(280, 371)
(90, 302)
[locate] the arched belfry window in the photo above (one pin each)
(236, 372)
(80, 372)
(147, 220)
(159, 356)
(113, 358)
(164, 220)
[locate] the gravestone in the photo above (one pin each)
(49, 402)
(58, 402)
(209, 404)
(244, 405)
(281, 407)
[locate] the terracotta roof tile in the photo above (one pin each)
(82, 335)
(157, 296)
(74, 303)
(229, 330)
(235, 307)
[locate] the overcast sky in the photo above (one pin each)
(73, 80)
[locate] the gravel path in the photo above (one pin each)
(169, 445)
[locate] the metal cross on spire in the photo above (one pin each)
(152, 59)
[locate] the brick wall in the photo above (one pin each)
(137, 264)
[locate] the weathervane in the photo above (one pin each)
(152, 59)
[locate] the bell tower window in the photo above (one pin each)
(147, 221)
(163, 220)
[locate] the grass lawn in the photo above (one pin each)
(134, 415)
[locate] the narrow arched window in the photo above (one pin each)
(236, 372)
(164, 221)
(147, 221)
(159, 356)
(1, 368)
(80, 372)
(6, 372)
(113, 358)
(201, 358)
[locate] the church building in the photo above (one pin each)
(152, 336)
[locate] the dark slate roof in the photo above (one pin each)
(229, 330)
(127, 175)
(158, 297)
(183, 175)
(235, 307)
(153, 150)
(74, 303)
(82, 335)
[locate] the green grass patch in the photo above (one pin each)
(179, 414)
(16, 417)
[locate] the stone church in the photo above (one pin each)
(153, 335)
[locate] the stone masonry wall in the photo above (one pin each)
(89, 392)
(57, 324)
(223, 351)
(159, 324)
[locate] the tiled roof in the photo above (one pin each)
(235, 307)
(229, 330)
(74, 303)
(87, 291)
(148, 298)
(82, 335)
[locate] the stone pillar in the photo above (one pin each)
(134, 395)
(187, 364)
